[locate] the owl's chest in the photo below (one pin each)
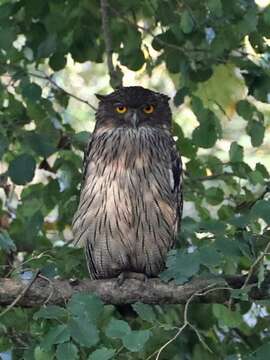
(130, 160)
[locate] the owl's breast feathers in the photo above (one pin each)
(131, 201)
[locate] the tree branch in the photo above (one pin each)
(152, 291)
(54, 83)
(115, 73)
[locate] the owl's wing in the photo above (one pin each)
(86, 158)
(176, 168)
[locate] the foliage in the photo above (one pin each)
(216, 52)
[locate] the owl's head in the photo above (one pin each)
(134, 107)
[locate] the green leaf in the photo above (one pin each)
(228, 247)
(3, 145)
(262, 169)
(5, 10)
(136, 340)
(83, 331)
(262, 353)
(205, 135)
(87, 306)
(22, 169)
(40, 143)
(266, 15)
(215, 7)
(47, 47)
(67, 351)
(214, 164)
(172, 61)
(225, 212)
(133, 60)
(236, 152)
(241, 294)
(201, 75)
(214, 195)
(6, 243)
(7, 36)
(180, 96)
(144, 311)
(209, 256)
(213, 226)
(241, 169)
(81, 139)
(226, 317)
(245, 109)
(102, 354)
(181, 266)
(196, 168)
(56, 335)
(51, 312)
(31, 91)
(58, 61)
(256, 177)
(117, 329)
(255, 130)
(186, 23)
(261, 209)
(41, 354)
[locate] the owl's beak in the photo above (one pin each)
(135, 119)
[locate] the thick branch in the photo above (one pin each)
(115, 74)
(152, 291)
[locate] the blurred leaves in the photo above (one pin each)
(6, 243)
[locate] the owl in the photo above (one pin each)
(131, 196)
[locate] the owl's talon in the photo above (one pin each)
(120, 279)
(130, 275)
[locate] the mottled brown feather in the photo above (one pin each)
(131, 197)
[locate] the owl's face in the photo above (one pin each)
(134, 107)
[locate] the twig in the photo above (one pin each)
(146, 30)
(165, 44)
(208, 177)
(255, 263)
(220, 108)
(51, 286)
(53, 82)
(50, 80)
(186, 321)
(21, 295)
(171, 340)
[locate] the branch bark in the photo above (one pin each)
(152, 291)
(115, 73)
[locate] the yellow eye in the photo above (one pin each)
(148, 109)
(121, 109)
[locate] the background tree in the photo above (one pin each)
(212, 56)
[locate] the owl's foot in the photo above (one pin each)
(130, 275)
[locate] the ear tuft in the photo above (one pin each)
(101, 97)
(165, 97)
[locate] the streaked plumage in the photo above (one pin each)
(131, 197)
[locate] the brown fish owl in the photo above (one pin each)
(131, 197)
